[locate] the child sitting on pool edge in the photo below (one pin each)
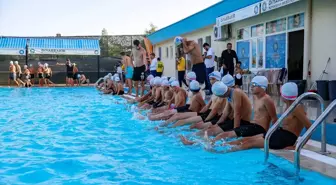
(120, 86)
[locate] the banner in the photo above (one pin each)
(276, 51)
(238, 15)
(62, 52)
(268, 5)
(12, 52)
(243, 53)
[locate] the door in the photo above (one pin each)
(295, 55)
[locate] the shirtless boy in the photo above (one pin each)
(285, 136)
(210, 109)
(196, 104)
(126, 60)
(140, 67)
(264, 112)
(178, 100)
(194, 50)
(12, 73)
(18, 73)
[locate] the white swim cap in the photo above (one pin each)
(194, 86)
(149, 78)
(260, 81)
(178, 40)
(116, 75)
(112, 78)
(30, 65)
(191, 76)
(289, 91)
(165, 83)
(228, 80)
(106, 77)
(238, 76)
(157, 81)
(117, 79)
(46, 64)
(175, 84)
(11, 62)
(152, 82)
(171, 79)
(16, 62)
(74, 64)
(164, 78)
(110, 74)
(216, 75)
(219, 88)
(25, 66)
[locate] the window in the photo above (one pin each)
(171, 52)
(296, 21)
(243, 33)
(160, 52)
(276, 26)
(167, 52)
(200, 43)
(208, 40)
(257, 30)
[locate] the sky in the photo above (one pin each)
(89, 17)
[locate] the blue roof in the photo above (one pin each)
(59, 43)
(199, 20)
(12, 43)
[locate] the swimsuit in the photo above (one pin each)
(249, 130)
(183, 108)
(205, 114)
(281, 139)
(129, 73)
(138, 73)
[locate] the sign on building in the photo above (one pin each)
(268, 5)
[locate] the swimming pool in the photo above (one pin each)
(77, 136)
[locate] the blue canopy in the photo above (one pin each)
(12, 46)
(64, 46)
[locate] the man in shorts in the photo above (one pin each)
(69, 75)
(12, 73)
(194, 51)
(126, 60)
(140, 67)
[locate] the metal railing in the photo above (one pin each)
(286, 113)
(309, 132)
(97, 82)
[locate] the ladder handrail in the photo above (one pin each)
(98, 81)
(306, 136)
(285, 114)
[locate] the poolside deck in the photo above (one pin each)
(311, 158)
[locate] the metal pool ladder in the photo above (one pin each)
(100, 79)
(308, 132)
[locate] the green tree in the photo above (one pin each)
(152, 29)
(104, 45)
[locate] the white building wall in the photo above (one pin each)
(323, 38)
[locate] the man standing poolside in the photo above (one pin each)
(126, 60)
(140, 67)
(194, 51)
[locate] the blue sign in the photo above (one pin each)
(243, 52)
(276, 51)
(21, 52)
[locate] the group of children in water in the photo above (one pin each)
(228, 114)
(26, 77)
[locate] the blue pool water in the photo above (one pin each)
(77, 136)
